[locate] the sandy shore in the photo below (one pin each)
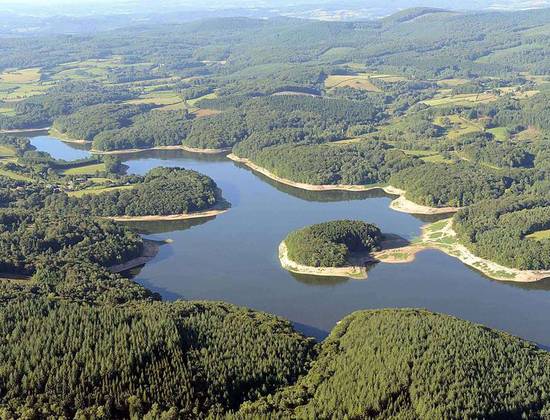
(353, 271)
(445, 240)
(399, 204)
(175, 147)
(156, 218)
(206, 151)
(24, 130)
(126, 151)
(150, 250)
(64, 138)
(407, 206)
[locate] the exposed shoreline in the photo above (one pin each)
(399, 204)
(127, 151)
(24, 130)
(395, 250)
(64, 138)
(174, 147)
(357, 268)
(156, 218)
(353, 271)
(489, 268)
(206, 151)
(150, 251)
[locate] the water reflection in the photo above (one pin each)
(233, 257)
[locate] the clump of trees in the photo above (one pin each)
(163, 191)
(149, 129)
(458, 185)
(496, 230)
(62, 99)
(407, 363)
(351, 164)
(88, 122)
(330, 244)
(29, 238)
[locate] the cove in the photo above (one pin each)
(234, 256)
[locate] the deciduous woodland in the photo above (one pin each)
(451, 108)
(330, 244)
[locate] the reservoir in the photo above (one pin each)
(233, 257)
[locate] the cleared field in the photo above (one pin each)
(459, 126)
(428, 156)
(6, 151)
(96, 69)
(7, 111)
(162, 98)
(437, 158)
(98, 190)
(199, 113)
(541, 235)
(85, 170)
(452, 82)
(14, 175)
(193, 102)
(360, 81)
(462, 99)
(10, 92)
(388, 78)
(337, 53)
(531, 133)
(500, 133)
(29, 75)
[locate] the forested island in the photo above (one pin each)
(449, 110)
(339, 247)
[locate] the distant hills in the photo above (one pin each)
(33, 17)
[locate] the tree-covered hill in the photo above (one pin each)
(415, 364)
(29, 239)
(498, 230)
(330, 244)
(163, 191)
(176, 360)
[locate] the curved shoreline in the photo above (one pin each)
(399, 204)
(24, 130)
(127, 151)
(444, 239)
(150, 251)
(353, 271)
(156, 218)
(394, 250)
(64, 138)
(206, 151)
(174, 147)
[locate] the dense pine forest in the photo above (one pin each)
(450, 107)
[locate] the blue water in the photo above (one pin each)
(233, 257)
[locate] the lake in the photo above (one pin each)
(233, 257)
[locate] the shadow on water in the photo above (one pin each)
(233, 257)
(165, 226)
(316, 196)
(172, 154)
(311, 331)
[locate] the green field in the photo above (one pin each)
(500, 133)
(14, 175)
(85, 170)
(541, 235)
(459, 126)
(30, 75)
(98, 190)
(358, 81)
(445, 98)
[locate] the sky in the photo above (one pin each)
(95, 7)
